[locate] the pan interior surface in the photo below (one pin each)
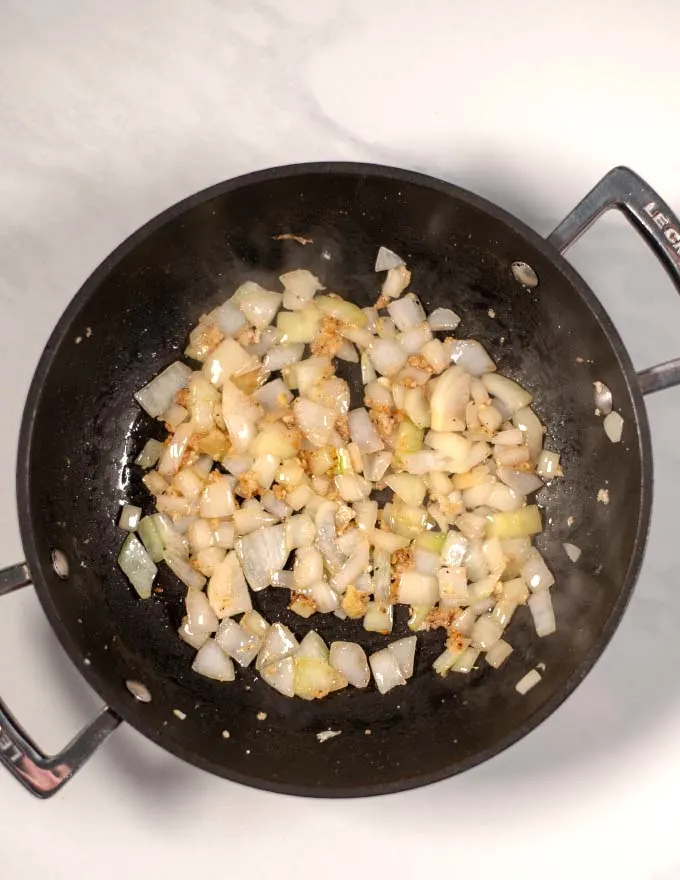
(82, 430)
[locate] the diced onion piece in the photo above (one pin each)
(449, 399)
(613, 426)
(207, 560)
(137, 566)
(525, 684)
(253, 623)
(406, 312)
(510, 437)
(412, 341)
(516, 523)
(572, 551)
(409, 487)
(188, 483)
(501, 497)
(341, 310)
(448, 657)
(200, 616)
(183, 570)
(195, 639)
(454, 549)
(417, 589)
(174, 451)
(368, 374)
(262, 553)
(212, 662)
(347, 352)
(324, 596)
(436, 354)
(273, 395)
(300, 286)
(382, 576)
(157, 396)
(223, 535)
(272, 505)
(308, 568)
(278, 643)
(486, 632)
(281, 676)
(510, 393)
(280, 356)
(443, 319)
(275, 439)
(315, 679)
(498, 653)
(453, 588)
(313, 646)
(315, 421)
(300, 531)
(151, 538)
(228, 317)
(386, 671)
(239, 644)
(363, 432)
(519, 481)
(527, 420)
(464, 623)
(397, 280)
(352, 487)
(378, 618)
(425, 561)
(417, 617)
(260, 306)
(283, 579)
(129, 517)
(549, 465)
(489, 417)
(151, 452)
(376, 466)
(387, 356)
(227, 360)
(535, 572)
(387, 259)
(299, 327)
(404, 651)
(227, 589)
(417, 407)
(217, 499)
(409, 440)
(356, 565)
(264, 469)
(472, 357)
(174, 416)
(540, 605)
(350, 661)
(465, 661)
(453, 446)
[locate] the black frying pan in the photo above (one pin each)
(82, 429)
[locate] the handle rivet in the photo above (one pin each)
(138, 690)
(524, 274)
(60, 564)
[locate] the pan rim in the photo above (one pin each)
(61, 331)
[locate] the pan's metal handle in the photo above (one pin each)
(43, 776)
(653, 219)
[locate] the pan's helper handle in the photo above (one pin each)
(621, 188)
(42, 775)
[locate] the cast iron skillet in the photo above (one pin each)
(81, 430)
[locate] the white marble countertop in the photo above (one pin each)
(111, 112)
